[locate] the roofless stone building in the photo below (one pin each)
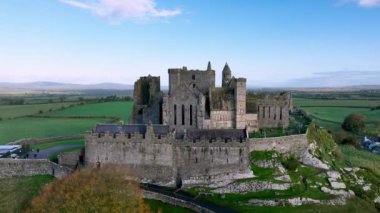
(195, 134)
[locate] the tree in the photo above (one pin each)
(107, 189)
(354, 122)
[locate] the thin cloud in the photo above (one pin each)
(362, 3)
(368, 3)
(120, 10)
(337, 79)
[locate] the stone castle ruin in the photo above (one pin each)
(195, 134)
(194, 102)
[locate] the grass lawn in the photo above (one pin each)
(11, 130)
(57, 143)
(120, 109)
(158, 206)
(12, 111)
(17, 192)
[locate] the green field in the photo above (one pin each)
(331, 113)
(16, 193)
(11, 130)
(58, 143)
(62, 122)
(113, 109)
(13, 111)
(306, 102)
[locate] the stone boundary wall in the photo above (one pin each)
(284, 144)
(33, 141)
(70, 159)
(174, 201)
(31, 167)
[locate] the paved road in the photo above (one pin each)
(186, 197)
(47, 153)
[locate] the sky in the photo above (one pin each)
(273, 43)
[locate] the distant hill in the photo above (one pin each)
(44, 85)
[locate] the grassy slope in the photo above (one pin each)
(12, 111)
(17, 193)
(15, 129)
(361, 158)
(118, 109)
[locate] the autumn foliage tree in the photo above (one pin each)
(107, 189)
(354, 122)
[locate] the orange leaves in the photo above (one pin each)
(107, 189)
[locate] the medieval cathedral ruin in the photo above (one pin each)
(195, 134)
(194, 102)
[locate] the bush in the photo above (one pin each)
(291, 163)
(377, 205)
(338, 154)
(354, 122)
(350, 140)
(40, 112)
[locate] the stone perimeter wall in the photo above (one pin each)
(30, 167)
(285, 144)
(165, 161)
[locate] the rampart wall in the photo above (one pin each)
(166, 161)
(284, 144)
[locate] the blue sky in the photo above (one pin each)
(270, 42)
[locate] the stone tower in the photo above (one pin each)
(240, 101)
(226, 75)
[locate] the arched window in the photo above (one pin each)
(175, 114)
(264, 112)
(191, 115)
(183, 114)
(280, 113)
(269, 112)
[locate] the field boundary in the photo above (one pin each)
(33, 141)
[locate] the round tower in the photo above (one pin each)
(226, 75)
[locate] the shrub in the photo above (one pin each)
(40, 112)
(354, 122)
(291, 163)
(1, 119)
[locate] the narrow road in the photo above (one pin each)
(186, 197)
(47, 153)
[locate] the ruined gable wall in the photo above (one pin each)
(147, 101)
(222, 119)
(273, 110)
